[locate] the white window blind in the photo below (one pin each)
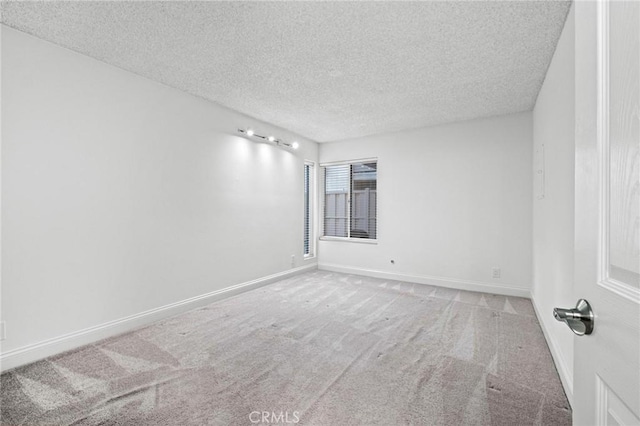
(350, 200)
(308, 209)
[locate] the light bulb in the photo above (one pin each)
(295, 145)
(271, 139)
(250, 132)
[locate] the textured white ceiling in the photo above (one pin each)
(325, 70)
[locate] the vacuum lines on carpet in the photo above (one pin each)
(317, 349)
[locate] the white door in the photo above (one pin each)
(607, 211)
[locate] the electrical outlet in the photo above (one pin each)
(3, 331)
(495, 272)
(293, 260)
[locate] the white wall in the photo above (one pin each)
(121, 195)
(453, 202)
(553, 215)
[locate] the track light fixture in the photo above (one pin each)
(273, 139)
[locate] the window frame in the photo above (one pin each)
(322, 198)
(309, 194)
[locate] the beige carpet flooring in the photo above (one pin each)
(317, 349)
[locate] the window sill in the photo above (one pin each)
(309, 257)
(350, 240)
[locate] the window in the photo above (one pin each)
(350, 200)
(308, 209)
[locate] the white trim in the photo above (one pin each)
(621, 289)
(349, 240)
(56, 345)
(356, 161)
(602, 401)
(459, 284)
(566, 374)
(602, 123)
(604, 147)
(1, 227)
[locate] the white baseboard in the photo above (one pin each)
(566, 375)
(484, 287)
(37, 351)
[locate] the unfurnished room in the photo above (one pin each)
(320, 212)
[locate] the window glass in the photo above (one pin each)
(350, 200)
